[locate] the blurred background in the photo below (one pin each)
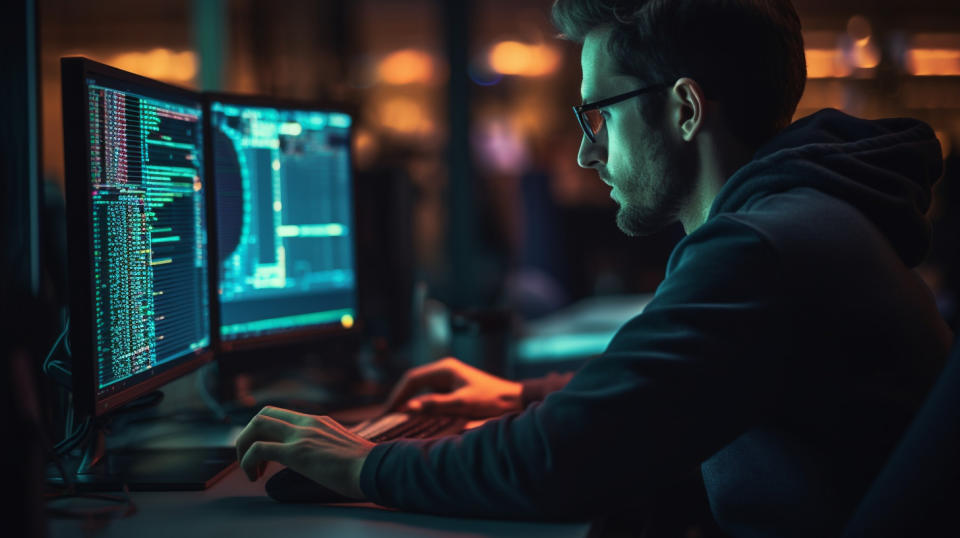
(470, 203)
(465, 142)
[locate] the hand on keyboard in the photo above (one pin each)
(407, 426)
(317, 447)
(456, 389)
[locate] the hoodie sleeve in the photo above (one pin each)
(698, 367)
(535, 390)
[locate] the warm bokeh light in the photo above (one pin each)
(933, 54)
(944, 138)
(516, 58)
(859, 29)
(405, 116)
(827, 63)
(837, 55)
(160, 63)
(347, 321)
(933, 62)
(865, 54)
(365, 148)
(407, 66)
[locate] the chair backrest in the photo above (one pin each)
(917, 493)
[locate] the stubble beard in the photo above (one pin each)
(651, 200)
(636, 220)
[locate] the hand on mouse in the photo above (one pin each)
(457, 389)
(317, 447)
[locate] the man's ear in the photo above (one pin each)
(689, 101)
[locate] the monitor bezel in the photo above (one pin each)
(74, 73)
(294, 337)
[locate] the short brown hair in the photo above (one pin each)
(746, 54)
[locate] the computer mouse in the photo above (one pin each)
(289, 486)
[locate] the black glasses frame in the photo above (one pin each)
(579, 110)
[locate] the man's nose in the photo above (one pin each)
(591, 154)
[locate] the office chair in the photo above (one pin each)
(917, 493)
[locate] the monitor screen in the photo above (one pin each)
(284, 254)
(137, 231)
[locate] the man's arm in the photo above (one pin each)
(454, 387)
(677, 383)
(317, 447)
(322, 449)
(536, 389)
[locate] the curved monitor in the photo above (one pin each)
(136, 235)
(283, 251)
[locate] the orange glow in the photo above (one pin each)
(933, 62)
(407, 66)
(159, 63)
(347, 321)
(365, 147)
(859, 29)
(827, 63)
(405, 116)
(944, 138)
(866, 55)
(516, 58)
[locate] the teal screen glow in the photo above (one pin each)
(149, 270)
(284, 220)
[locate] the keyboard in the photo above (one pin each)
(408, 426)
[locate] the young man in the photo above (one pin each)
(787, 347)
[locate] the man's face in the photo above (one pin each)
(630, 154)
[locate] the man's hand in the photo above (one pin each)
(459, 389)
(317, 447)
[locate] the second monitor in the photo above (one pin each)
(283, 250)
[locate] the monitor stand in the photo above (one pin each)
(151, 468)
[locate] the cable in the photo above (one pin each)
(74, 439)
(66, 341)
(55, 369)
(211, 402)
(74, 436)
(56, 344)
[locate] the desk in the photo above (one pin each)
(235, 508)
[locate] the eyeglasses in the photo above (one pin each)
(590, 117)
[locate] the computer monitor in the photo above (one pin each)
(136, 235)
(283, 241)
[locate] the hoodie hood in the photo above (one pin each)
(885, 168)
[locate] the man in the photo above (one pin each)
(784, 352)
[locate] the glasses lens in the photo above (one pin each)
(594, 120)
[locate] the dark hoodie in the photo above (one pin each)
(785, 351)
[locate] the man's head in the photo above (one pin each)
(729, 72)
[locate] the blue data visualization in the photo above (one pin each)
(283, 195)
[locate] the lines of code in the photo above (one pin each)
(148, 231)
(284, 215)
